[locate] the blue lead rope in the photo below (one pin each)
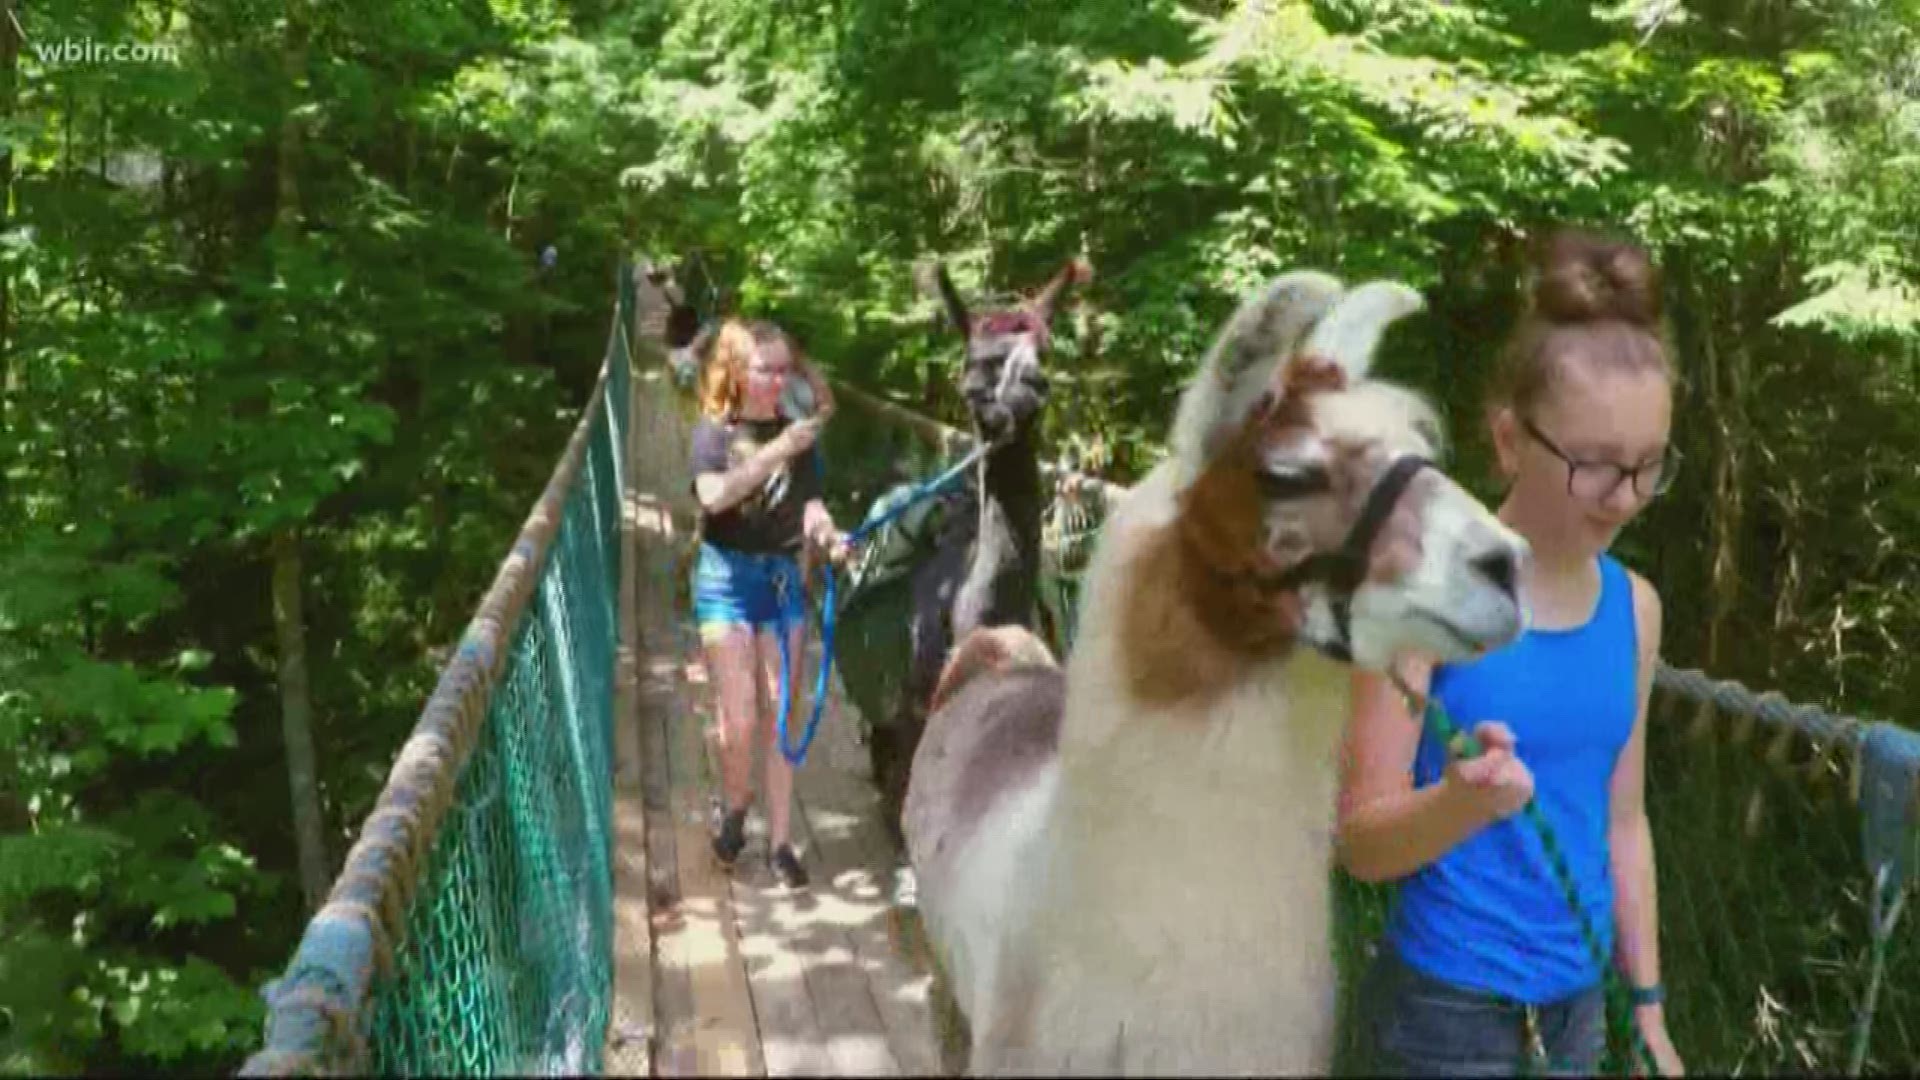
(829, 612)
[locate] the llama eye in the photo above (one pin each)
(1294, 481)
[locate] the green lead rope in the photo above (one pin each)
(1463, 745)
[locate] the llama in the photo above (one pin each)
(675, 322)
(1124, 866)
(984, 566)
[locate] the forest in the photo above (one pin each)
(300, 299)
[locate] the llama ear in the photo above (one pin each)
(956, 307)
(1076, 271)
(1349, 334)
(1244, 359)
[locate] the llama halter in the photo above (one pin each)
(1344, 569)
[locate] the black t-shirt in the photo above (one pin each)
(769, 520)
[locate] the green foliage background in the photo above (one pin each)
(206, 337)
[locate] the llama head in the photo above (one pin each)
(660, 277)
(664, 279)
(1003, 381)
(683, 320)
(1306, 496)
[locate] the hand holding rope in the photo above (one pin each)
(829, 611)
(1461, 744)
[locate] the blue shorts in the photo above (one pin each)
(744, 588)
(1418, 1025)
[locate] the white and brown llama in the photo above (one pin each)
(1124, 866)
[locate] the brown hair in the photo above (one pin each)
(1593, 297)
(725, 371)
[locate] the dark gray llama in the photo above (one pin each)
(984, 565)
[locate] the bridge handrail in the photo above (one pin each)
(955, 442)
(315, 1010)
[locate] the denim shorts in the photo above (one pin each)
(744, 588)
(1422, 1026)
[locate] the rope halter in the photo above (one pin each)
(1344, 569)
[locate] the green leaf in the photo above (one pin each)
(1856, 302)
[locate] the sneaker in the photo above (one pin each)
(787, 868)
(730, 835)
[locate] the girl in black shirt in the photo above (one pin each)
(756, 476)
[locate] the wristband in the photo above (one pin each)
(1647, 995)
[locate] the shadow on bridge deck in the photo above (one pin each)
(719, 974)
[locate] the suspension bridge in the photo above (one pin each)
(532, 893)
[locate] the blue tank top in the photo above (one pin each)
(1488, 914)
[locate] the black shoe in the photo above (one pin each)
(730, 836)
(787, 868)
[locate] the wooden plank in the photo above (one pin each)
(855, 1035)
(890, 948)
(690, 773)
(894, 952)
(903, 979)
(790, 1036)
(863, 925)
(630, 1031)
(628, 1050)
(673, 1012)
(726, 1036)
(657, 701)
(901, 969)
(673, 1005)
(655, 595)
(675, 1019)
(848, 919)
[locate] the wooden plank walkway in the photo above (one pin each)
(728, 974)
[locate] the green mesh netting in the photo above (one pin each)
(1764, 893)
(508, 969)
(470, 932)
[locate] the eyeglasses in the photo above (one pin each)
(1596, 481)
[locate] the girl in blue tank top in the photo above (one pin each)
(1483, 970)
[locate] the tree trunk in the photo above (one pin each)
(296, 719)
(9, 92)
(1726, 405)
(289, 621)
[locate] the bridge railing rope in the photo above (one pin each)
(470, 929)
(1786, 838)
